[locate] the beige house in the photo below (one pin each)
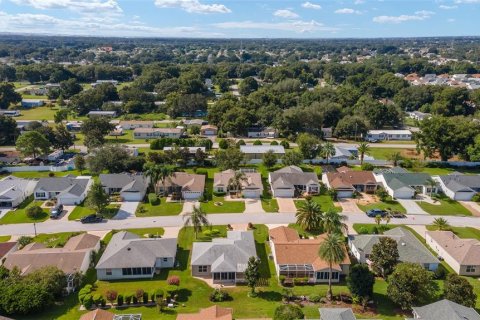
(463, 255)
(155, 133)
(208, 130)
(189, 186)
(252, 186)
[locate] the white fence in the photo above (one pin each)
(67, 167)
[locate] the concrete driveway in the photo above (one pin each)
(349, 205)
(286, 205)
(3, 212)
(127, 210)
(188, 206)
(66, 212)
(471, 206)
(253, 206)
(411, 206)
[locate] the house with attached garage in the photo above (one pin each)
(347, 181)
(188, 186)
(254, 154)
(410, 249)
(13, 191)
(69, 190)
(223, 260)
(131, 187)
(291, 181)
(155, 133)
(375, 135)
(251, 185)
(128, 256)
(298, 258)
(209, 130)
(402, 184)
(444, 310)
(458, 186)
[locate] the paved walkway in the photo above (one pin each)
(171, 232)
(286, 205)
(349, 205)
(127, 210)
(419, 229)
(412, 207)
(253, 206)
(3, 212)
(66, 212)
(471, 206)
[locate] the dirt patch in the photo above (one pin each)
(367, 199)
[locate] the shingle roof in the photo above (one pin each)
(461, 182)
(445, 310)
(405, 179)
(127, 182)
(336, 314)
(127, 250)
(410, 249)
(187, 181)
(251, 149)
(212, 313)
(12, 187)
(253, 180)
(64, 185)
(5, 248)
(346, 179)
(464, 251)
(291, 176)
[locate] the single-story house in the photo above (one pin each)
(75, 256)
(212, 313)
(224, 260)
(298, 258)
(10, 113)
(291, 181)
(191, 150)
(458, 186)
(463, 255)
(98, 82)
(419, 116)
(336, 314)
(131, 187)
(13, 191)
(343, 154)
(195, 122)
(128, 256)
(410, 249)
(252, 186)
(32, 103)
(75, 126)
(254, 154)
(327, 133)
(388, 135)
(402, 184)
(155, 133)
(134, 124)
(6, 248)
(98, 314)
(209, 130)
(444, 310)
(108, 114)
(346, 181)
(262, 132)
(67, 190)
(190, 186)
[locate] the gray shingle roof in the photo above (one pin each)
(445, 310)
(461, 182)
(64, 185)
(127, 182)
(410, 249)
(127, 250)
(336, 314)
(291, 176)
(12, 187)
(251, 149)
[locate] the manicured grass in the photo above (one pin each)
(461, 232)
(53, 240)
(144, 232)
(20, 214)
(447, 207)
(384, 153)
(39, 113)
(126, 138)
(372, 228)
(163, 209)
(5, 238)
(145, 116)
(225, 207)
(46, 174)
(304, 233)
(81, 211)
(270, 205)
(445, 171)
(390, 204)
(324, 201)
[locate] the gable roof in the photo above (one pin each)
(65, 185)
(410, 249)
(127, 182)
(5, 248)
(461, 182)
(228, 254)
(252, 149)
(253, 180)
(445, 310)
(98, 314)
(187, 181)
(291, 176)
(336, 314)
(12, 187)
(405, 179)
(213, 313)
(128, 250)
(347, 179)
(464, 251)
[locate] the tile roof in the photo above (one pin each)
(97, 314)
(213, 313)
(464, 251)
(445, 310)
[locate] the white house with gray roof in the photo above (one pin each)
(254, 154)
(131, 187)
(402, 184)
(458, 186)
(69, 190)
(223, 260)
(128, 256)
(291, 181)
(410, 249)
(13, 191)
(444, 310)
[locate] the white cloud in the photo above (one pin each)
(76, 5)
(193, 6)
(418, 16)
(309, 5)
(467, 1)
(285, 13)
(451, 20)
(347, 11)
(297, 26)
(445, 7)
(357, 2)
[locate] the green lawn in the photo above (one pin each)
(445, 171)
(20, 214)
(384, 153)
(304, 233)
(447, 207)
(145, 116)
(82, 211)
(46, 174)
(39, 113)
(269, 205)
(126, 138)
(163, 209)
(390, 204)
(144, 232)
(53, 240)
(461, 232)
(5, 238)
(224, 207)
(372, 228)
(324, 201)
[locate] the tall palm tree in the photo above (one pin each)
(441, 224)
(333, 222)
(235, 182)
(431, 184)
(395, 157)
(152, 171)
(363, 148)
(328, 150)
(197, 218)
(332, 250)
(166, 173)
(309, 215)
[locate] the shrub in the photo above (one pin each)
(288, 312)
(274, 143)
(152, 296)
(300, 281)
(173, 280)
(367, 166)
(171, 290)
(207, 233)
(285, 144)
(145, 297)
(159, 293)
(139, 294)
(97, 299)
(153, 199)
(215, 232)
(111, 295)
(315, 298)
(120, 300)
(282, 279)
(84, 292)
(219, 194)
(34, 212)
(219, 296)
(363, 230)
(128, 298)
(24, 240)
(240, 143)
(88, 301)
(476, 197)
(134, 300)
(223, 144)
(440, 273)
(257, 143)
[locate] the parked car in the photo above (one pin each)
(92, 218)
(56, 211)
(396, 214)
(376, 212)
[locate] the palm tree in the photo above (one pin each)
(431, 184)
(328, 150)
(395, 158)
(235, 182)
(309, 215)
(378, 219)
(332, 250)
(197, 218)
(333, 222)
(152, 171)
(363, 148)
(166, 173)
(441, 224)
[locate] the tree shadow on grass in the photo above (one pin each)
(182, 258)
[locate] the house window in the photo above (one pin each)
(470, 269)
(108, 272)
(220, 189)
(126, 271)
(40, 194)
(165, 259)
(202, 269)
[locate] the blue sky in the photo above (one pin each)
(242, 18)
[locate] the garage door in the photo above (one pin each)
(251, 194)
(283, 193)
(464, 196)
(132, 196)
(191, 195)
(344, 194)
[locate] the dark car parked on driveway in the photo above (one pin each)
(376, 212)
(92, 218)
(56, 211)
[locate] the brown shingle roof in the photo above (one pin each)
(253, 180)
(188, 181)
(81, 242)
(349, 178)
(212, 313)
(5, 248)
(97, 314)
(464, 251)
